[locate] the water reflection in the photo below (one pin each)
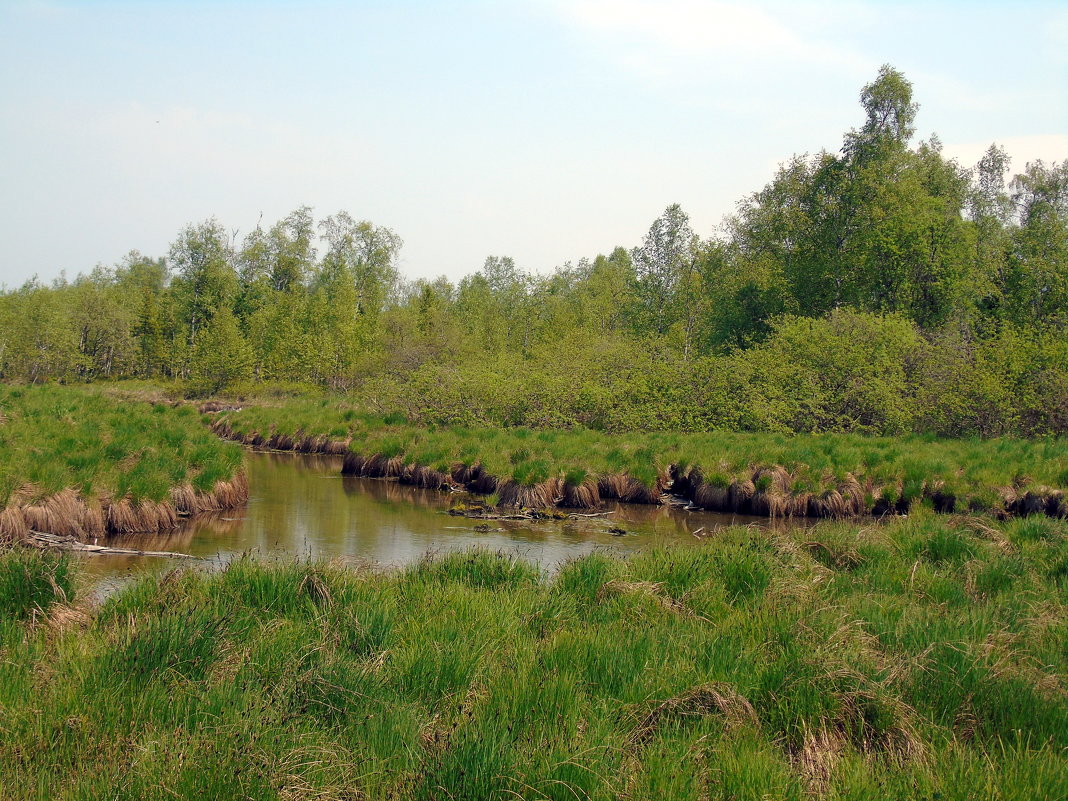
(300, 505)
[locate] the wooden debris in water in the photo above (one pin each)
(483, 513)
(41, 539)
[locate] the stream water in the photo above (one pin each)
(301, 506)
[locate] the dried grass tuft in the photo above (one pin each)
(714, 498)
(353, 464)
(67, 514)
(611, 485)
(426, 477)
(853, 495)
(381, 466)
(1032, 502)
(13, 526)
(540, 496)
(280, 442)
(213, 406)
(59, 514)
(898, 742)
(717, 698)
(685, 483)
(1057, 505)
(741, 496)
(834, 557)
(820, 752)
(979, 527)
(62, 617)
(581, 496)
(483, 484)
(316, 588)
(650, 589)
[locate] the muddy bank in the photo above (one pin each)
(764, 491)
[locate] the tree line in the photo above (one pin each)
(881, 287)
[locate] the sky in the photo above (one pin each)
(544, 130)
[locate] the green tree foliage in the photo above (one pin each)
(1037, 281)
(878, 227)
(221, 356)
(849, 371)
(878, 287)
(205, 280)
(664, 270)
(38, 335)
(604, 291)
(364, 255)
(890, 118)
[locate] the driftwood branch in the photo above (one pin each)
(481, 513)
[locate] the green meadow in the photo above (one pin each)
(54, 438)
(919, 658)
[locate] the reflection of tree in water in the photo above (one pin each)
(321, 462)
(390, 491)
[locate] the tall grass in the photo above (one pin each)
(919, 658)
(31, 581)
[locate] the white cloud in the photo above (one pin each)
(740, 36)
(687, 25)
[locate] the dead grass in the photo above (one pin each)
(581, 496)
(67, 514)
(650, 589)
(543, 495)
(714, 698)
(820, 752)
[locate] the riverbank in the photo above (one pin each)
(916, 658)
(774, 475)
(77, 463)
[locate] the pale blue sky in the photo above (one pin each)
(544, 130)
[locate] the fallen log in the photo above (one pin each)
(41, 539)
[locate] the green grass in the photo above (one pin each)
(972, 474)
(30, 581)
(922, 658)
(54, 438)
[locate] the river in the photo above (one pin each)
(300, 506)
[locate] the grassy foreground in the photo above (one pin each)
(924, 658)
(775, 474)
(75, 461)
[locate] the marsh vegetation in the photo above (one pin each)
(919, 658)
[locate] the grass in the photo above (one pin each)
(824, 474)
(921, 658)
(56, 439)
